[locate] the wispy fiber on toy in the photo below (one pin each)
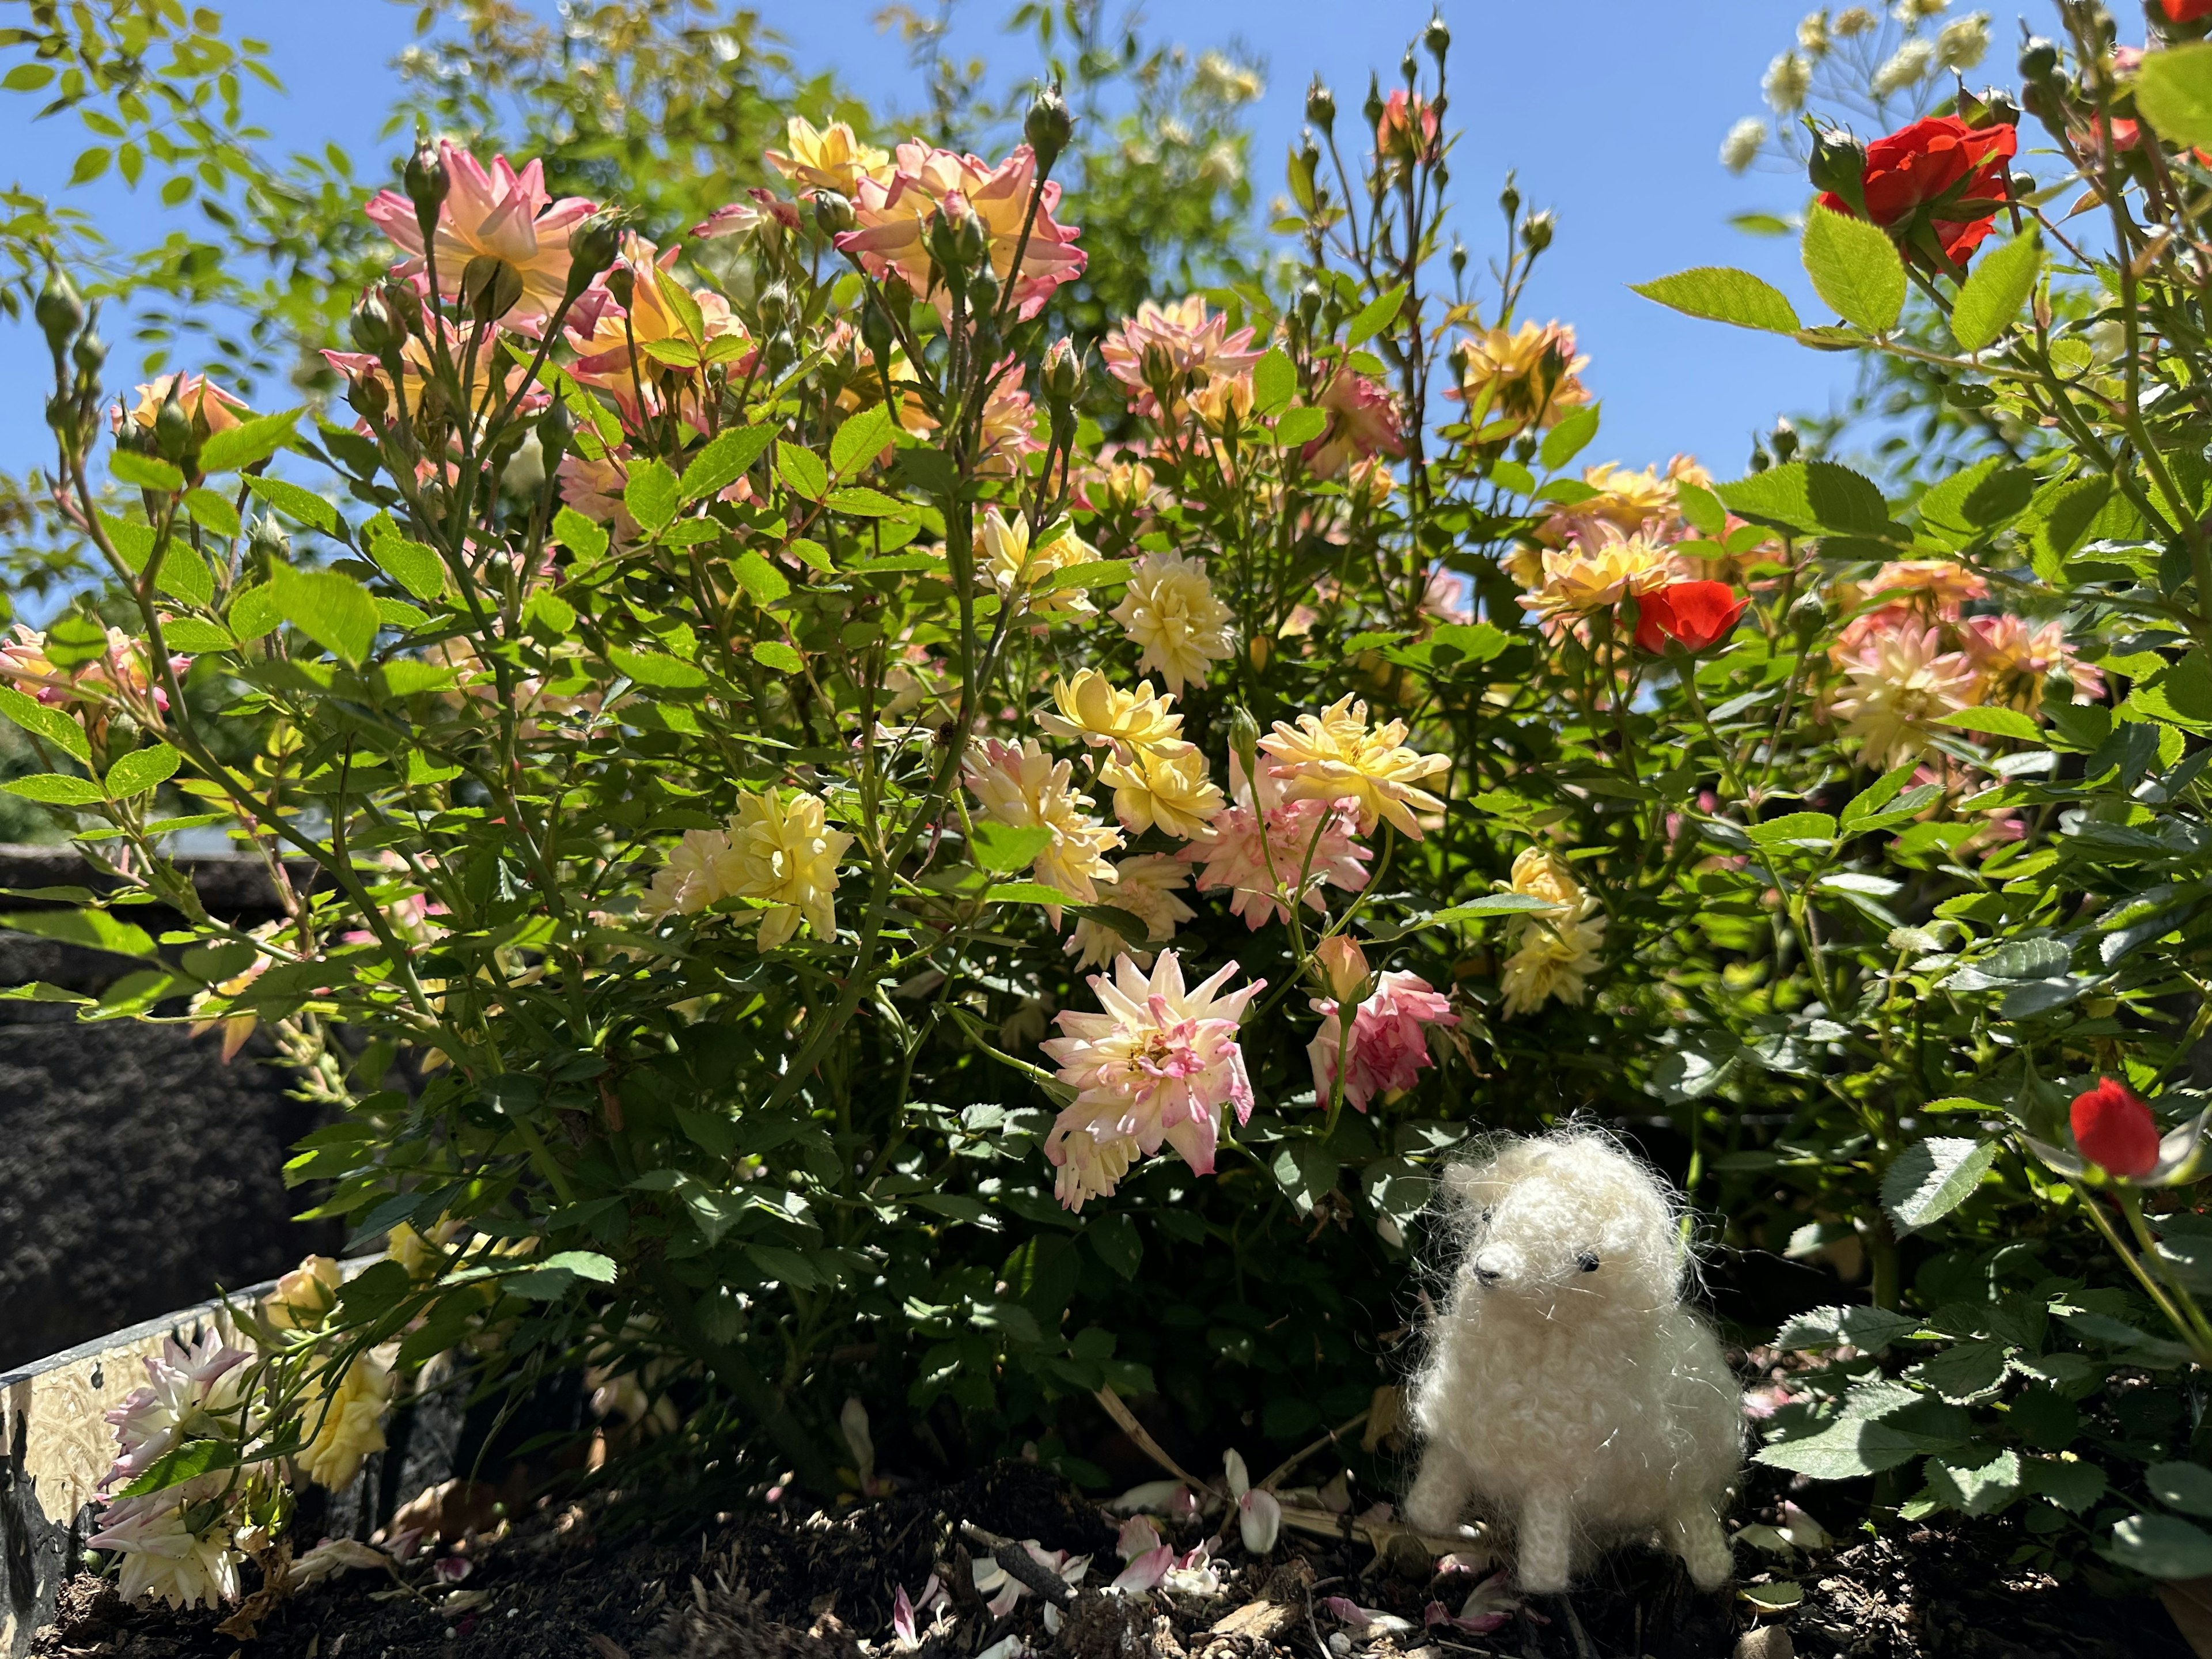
(1567, 1392)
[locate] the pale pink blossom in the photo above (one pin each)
(1363, 420)
(760, 206)
(1260, 845)
(893, 220)
(1155, 1068)
(2013, 657)
(188, 1388)
(1009, 426)
(1899, 685)
(501, 212)
(1390, 1040)
(1190, 342)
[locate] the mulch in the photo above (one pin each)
(601, 1579)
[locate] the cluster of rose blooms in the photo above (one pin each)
(185, 1542)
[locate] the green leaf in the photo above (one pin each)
(1870, 1330)
(657, 668)
(56, 727)
(212, 513)
(2173, 93)
(1569, 438)
(1377, 314)
(185, 573)
(1876, 795)
(1114, 1234)
(680, 303)
(1992, 294)
(802, 470)
(1810, 496)
(774, 653)
(1091, 573)
(759, 578)
(2179, 694)
(587, 540)
(1809, 830)
(414, 567)
(95, 930)
(2184, 1486)
(1721, 294)
(330, 608)
(543, 1281)
(90, 164)
(651, 495)
(1274, 383)
(862, 502)
(1026, 892)
(1855, 268)
(253, 611)
(146, 471)
(1975, 1489)
(723, 461)
(141, 770)
(55, 789)
(28, 77)
(1003, 848)
(1300, 426)
(303, 506)
(249, 441)
(861, 438)
(186, 1462)
(1930, 1178)
(1700, 509)
(2161, 1546)
(1844, 1450)
(1997, 720)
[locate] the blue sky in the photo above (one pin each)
(1612, 112)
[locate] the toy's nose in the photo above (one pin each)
(1492, 1266)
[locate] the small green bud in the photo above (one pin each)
(1536, 230)
(1049, 126)
(773, 307)
(2039, 59)
(490, 287)
(427, 183)
(88, 354)
(1321, 106)
(592, 247)
(621, 283)
(1409, 68)
(59, 311)
(1808, 616)
(555, 427)
(1437, 38)
(832, 212)
(876, 332)
(173, 428)
(1373, 108)
(1837, 166)
(373, 327)
(267, 543)
(1244, 741)
(983, 293)
(1061, 375)
(1783, 440)
(1509, 199)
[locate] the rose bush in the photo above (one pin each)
(846, 845)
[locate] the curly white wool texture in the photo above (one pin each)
(1567, 1392)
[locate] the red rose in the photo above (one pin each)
(1937, 184)
(1697, 614)
(2185, 11)
(2114, 1128)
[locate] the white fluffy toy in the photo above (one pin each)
(1566, 1391)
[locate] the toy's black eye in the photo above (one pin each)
(1483, 1220)
(1586, 1262)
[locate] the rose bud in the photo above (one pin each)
(2115, 1129)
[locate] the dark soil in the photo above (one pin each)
(574, 1582)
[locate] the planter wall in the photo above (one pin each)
(137, 1171)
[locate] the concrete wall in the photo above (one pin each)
(137, 1172)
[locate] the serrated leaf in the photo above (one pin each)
(95, 930)
(583, 538)
(303, 506)
(142, 769)
(1800, 829)
(52, 725)
(774, 653)
(1295, 427)
(1844, 1450)
(185, 575)
(1855, 268)
(1930, 1178)
(329, 607)
(1374, 316)
(1995, 291)
(861, 438)
(1274, 383)
(801, 470)
(1569, 438)
(1809, 497)
(212, 513)
(146, 472)
(1997, 720)
(249, 441)
(723, 461)
(1722, 294)
(1003, 848)
(414, 566)
(860, 502)
(759, 578)
(1870, 1330)
(658, 668)
(2173, 93)
(651, 495)
(55, 789)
